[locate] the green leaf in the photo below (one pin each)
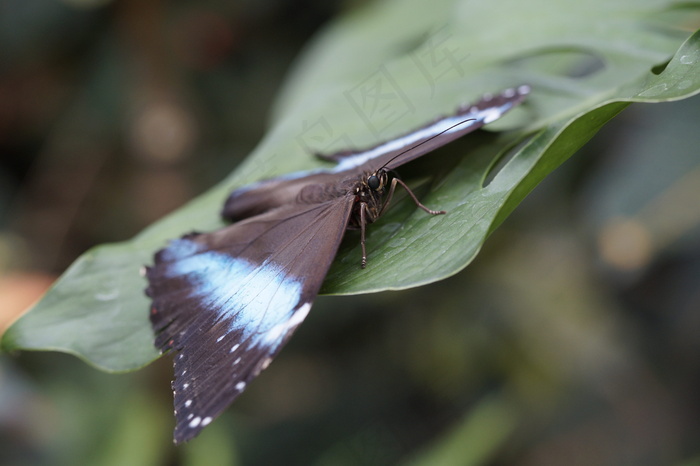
(376, 73)
(474, 440)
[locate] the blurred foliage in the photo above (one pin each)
(408, 76)
(572, 339)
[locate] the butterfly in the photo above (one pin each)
(225, 302)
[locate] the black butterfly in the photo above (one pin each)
(226, 302)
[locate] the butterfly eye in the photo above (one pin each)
(373, 182)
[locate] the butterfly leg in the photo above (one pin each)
(363, 225)
(392, 188)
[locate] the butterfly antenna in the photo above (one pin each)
(423, 142)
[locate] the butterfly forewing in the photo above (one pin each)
(398, 151)
(227, 301)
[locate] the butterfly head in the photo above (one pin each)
(378, 180)
(369, 191)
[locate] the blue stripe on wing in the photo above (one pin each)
(255, 299)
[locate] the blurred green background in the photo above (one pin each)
(573, 338)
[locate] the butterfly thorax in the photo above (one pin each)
(369, 192)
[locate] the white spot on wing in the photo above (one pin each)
(240, 386)
(195, 422)
(263, 298)
(188, 403)
(300, 315)
(206, 421)
(234, 347)
(276, 333)
(491, 114)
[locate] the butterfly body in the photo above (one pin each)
(369, 197)
(225, 302)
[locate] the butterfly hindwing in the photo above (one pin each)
(226, 302)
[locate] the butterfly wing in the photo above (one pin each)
(419, 142)
(227, 301)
